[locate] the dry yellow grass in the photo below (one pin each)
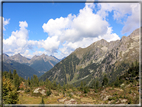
(87, 100)
(24, 99)
(91, 97)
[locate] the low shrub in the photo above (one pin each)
(48, 93)
(27, 90)
(56, 94)
(36, 94)
(70, 95)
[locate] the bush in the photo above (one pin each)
(96, 90)
(22, 88)
(130, 91)
(130, 101)
(86, 90)
(110, 98)
(48, 93)
(115, 93)
(27, 90)
(42, 101)
(36, 94)
(120, 96)
(70, 95)
(56, 94)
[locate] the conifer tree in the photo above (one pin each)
(54, 84)
(64, 87)
(10, 95)
(94, 84)
(117, 82)
(59, 86)
(14, 73)
(31, 81)
(16, 81)
(28, 81)
(105, 81)
(10, 74)
(42, 101)
(97, 84)
(5, 74)
(81, 86)
(35, 80)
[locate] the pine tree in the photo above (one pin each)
(54, 84)
(117, 82)
(105, 81)
(93, 84)
(28, 81)
(64, 87)
(97, 84)
(42, 101)
(10, 95)
(59, 86)
(16, 81)
(35, 80)
(81, 86)
(31, 81)
(14, 73)
(5, 74)
(10, 74)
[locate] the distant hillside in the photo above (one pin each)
(40, 64)
(91, 63)
(43, 63)
(19, 58)
(22, 69)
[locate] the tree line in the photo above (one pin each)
(12, 81)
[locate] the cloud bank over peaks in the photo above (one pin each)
(18, 43)
(79, 30)
(76, 27)
(65, 34)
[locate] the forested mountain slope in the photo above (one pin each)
(91, 63)
(38, 65)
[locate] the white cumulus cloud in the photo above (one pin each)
(51, 44)
(79, 30)
(5, 22)
(65, 34)
(17, 42)
(126, 13)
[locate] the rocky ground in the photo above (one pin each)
(127, 94)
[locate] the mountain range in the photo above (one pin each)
(37, 65)
(99, 59)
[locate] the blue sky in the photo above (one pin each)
(59, 28)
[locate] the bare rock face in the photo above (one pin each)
(39, 90)
(19, 58)
(5, 57)
(135, 33)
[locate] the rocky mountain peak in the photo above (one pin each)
(78, 49)
(135, 33)
(43, 55)
(16, 56)
(124, 39)
(5, 56)
(102, 42)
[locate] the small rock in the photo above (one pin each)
(106, 98)
(124, 100)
